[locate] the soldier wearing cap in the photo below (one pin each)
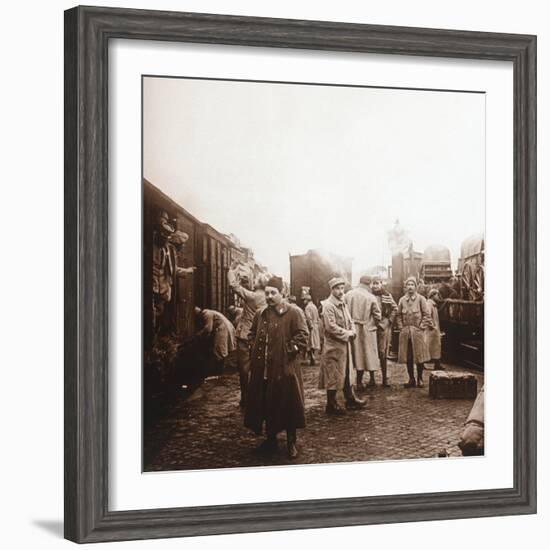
(275, 392)
(388, 311)
(412, 319)
(365, 313)
(433, 331)
(337, 372)
(313, 321)
(166, 242)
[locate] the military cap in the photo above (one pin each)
(336, 281)
(275, 282)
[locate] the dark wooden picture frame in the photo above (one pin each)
(87, 34)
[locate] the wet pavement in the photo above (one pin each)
(206, 429)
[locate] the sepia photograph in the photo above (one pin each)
(313, 273)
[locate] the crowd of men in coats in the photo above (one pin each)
(352, 332)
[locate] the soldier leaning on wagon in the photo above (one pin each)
(365, 314)
(313, 321)
(412, 319)
(275, 392)
(337, 372)
(433, 332)
(253, 300)
(388, 310)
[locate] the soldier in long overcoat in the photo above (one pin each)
(412, 319)
(365, 314)
(275, 392)
(433, 331)
(388, 310)
(313, 321)
(337, 372)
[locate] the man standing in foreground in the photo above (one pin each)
(252, 301)
(365, 314)
(337, 372)
(275, 393)
(412, 320)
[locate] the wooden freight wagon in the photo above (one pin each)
(208, 250)
(179, 312)
(313, 270)
(436, 264)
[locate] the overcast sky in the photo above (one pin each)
(289, 167)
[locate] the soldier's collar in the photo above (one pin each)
(335, 300)
(281, 309)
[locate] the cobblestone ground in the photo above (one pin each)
(206, 429)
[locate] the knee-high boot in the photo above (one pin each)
(332, 404)
(359, 383)
(291, 444)
(384, 369)
(419, 371)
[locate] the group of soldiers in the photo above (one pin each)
(272, 333)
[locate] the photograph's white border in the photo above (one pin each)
(129, 488)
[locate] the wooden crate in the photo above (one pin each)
(452, 385)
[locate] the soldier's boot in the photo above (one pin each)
(332, 404)
(419, 371)
(311, 358)
(360, 386)
(438, 365)
(243, 380)
(352, 401)
(410, 371)
(384, 369)
(269, 446)
(372, 381)
(291, 444)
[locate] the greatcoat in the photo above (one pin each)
(313, 321)
(388, 309)
(412, 319)
(433, 332)
(275, 392)
(221, 330)
(366, 315)
(338, 331)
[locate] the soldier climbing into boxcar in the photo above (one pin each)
(166, 242)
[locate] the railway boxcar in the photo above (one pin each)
(436, 264)
(207, 250)
(178, 317)
(313, 270)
